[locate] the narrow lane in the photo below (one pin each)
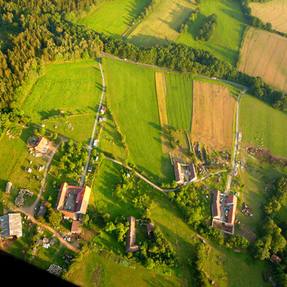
(90, 147)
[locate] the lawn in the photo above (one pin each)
(179, 100)
(226, 39)
(263, 126)
(113, 17)
(15, 159)
(131, 96)
(65, 98)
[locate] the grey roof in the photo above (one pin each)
(11, 225)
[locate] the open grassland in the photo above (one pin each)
(274, 12)
(113, 17)
(161, 25)
(264, 54)
(263, 126)
(179, 100)
(226, 38)
(131, 96)
(15, 159)
(213, 115)
(65, 98)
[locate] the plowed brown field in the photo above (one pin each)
(264, 54)
(213, 115)
(274, 12)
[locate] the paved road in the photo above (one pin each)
(90, 147)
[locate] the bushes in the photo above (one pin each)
(207, 28)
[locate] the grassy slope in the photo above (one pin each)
(255, 178)
(226, 39)
(113, 17)
(132, 98)
(179, 100)
(264, 126)
(71, 87)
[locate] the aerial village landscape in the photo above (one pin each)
(143, 142)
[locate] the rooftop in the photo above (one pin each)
(11, 225)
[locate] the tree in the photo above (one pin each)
(55, 218)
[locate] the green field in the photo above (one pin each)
(113, 17)
(131, 97)
(263, 126)
(226, 39)
(179, 100)
(73, 88)
(15, 159)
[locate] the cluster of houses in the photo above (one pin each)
(223, 211)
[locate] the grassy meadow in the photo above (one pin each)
(131, 96)
(113, 17)
(226, 39)
(263, 126)
(65, 98)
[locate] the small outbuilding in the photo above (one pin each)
(8, 187)
(11, 226)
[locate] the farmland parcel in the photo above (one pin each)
(131, 95)
(213, 115)
(264, 54)
(162, 23)
(274, 12)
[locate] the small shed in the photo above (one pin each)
(8, 186)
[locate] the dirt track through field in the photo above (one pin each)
(161, 102)
(274, 12)
(213, 116)
(264, 54)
